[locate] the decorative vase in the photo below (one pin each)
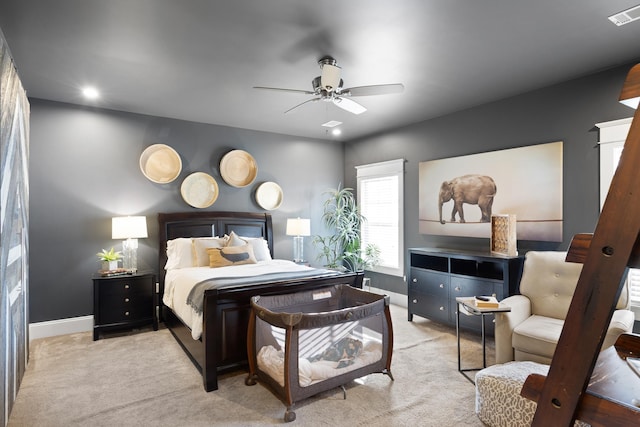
(110, 265)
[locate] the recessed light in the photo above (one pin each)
(336, 132)
(90, 92)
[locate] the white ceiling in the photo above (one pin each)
(198, 60)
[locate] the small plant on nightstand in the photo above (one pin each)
(109, 258)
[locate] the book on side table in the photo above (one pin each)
(486, 302)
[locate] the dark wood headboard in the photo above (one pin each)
(207, 224)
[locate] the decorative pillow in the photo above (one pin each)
(231, 255)
(200, 246)
(259, 244)
(179, 254)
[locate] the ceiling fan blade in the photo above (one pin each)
(279, 89)
(349, 105)
(301, 104)
(373, 90)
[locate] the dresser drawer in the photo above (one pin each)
(429, 306)
(466, 287)
(429, 282)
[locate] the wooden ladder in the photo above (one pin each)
(584, 383)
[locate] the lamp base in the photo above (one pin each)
(298, 249)
(130, 255)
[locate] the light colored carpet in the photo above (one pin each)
(145, 378)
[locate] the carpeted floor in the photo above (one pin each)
(144, 379)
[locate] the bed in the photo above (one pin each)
(222, 345)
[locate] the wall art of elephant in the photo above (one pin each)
(471, 189)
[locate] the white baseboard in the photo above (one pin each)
(53, 328)
(397, 299)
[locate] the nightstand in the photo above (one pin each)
(124, 301)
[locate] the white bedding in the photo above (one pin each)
(179, 282)
(271, 361)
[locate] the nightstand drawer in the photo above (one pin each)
(125, 287)
(116, 309)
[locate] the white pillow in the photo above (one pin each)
(260, 248)
(234, 240)
(200, 246)
(179, 253)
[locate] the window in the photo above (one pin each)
(612, 137)
(381, 200)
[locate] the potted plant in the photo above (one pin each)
(342, 250)
(109, 258)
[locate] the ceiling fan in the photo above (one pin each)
(328, 87)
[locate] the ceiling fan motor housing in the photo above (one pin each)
(319, 89)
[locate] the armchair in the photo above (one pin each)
(532, 329)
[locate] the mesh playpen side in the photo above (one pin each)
(304, 343)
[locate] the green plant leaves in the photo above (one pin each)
(109, 255)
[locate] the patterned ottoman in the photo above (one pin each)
(498, 400)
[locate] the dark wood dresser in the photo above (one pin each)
(438, 276)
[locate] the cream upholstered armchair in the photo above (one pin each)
(532, 329)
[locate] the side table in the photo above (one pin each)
(124, 301)
(468, 305)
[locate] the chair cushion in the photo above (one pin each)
(538, 335)
(549, 282)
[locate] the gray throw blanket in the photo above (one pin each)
(196, 295)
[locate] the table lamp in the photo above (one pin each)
(130, 228)
(298, 227)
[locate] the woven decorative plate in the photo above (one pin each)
(160, 163)
(199, 190)
(238, 168)
(269, 196)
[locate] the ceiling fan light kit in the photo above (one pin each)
(328, 87)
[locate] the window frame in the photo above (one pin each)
(389, 168)
(612, 138)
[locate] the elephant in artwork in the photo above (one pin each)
(472, 189)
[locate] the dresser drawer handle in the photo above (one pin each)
(126, 286)
(415, 301)
(126, 300)
(441, 285)
(457, 288)
(415, 280)
(126, 313)
(441, 308)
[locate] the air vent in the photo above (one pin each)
(332, 124)
(626, 16)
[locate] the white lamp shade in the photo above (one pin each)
(129, 227)
(298, 227)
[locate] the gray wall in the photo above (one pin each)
(84, 170)
(566, 112)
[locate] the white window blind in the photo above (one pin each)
(380, 199)
(612, 137)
